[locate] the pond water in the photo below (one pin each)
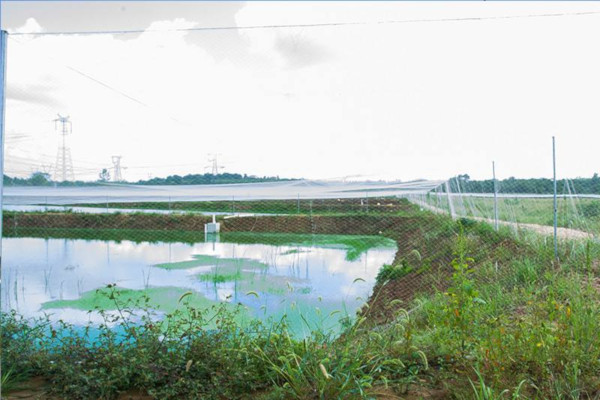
(306, 277)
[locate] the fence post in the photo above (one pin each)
(495, 196)
(555, 203)
(3, 43)
(450, 204)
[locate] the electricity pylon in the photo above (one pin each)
(63, 170)
(117, 176)
(214, 164)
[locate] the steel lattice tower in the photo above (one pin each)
(214, 164)
(63, 169)
(117, 176)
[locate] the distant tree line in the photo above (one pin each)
(41, 179)
(44, 179)
(207, 179)
(463, 183)
(36, 179)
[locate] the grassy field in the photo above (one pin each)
(582, 213)
(464, 312)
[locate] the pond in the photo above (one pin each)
(312, 279)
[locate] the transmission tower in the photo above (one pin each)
(63, 170)
(213, 164)
(117, 175)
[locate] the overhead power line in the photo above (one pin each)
(111, 88)
(107, 86)
(312, 25)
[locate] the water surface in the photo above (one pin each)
(313, 279)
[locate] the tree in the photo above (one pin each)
(39, 179)
(104, 175)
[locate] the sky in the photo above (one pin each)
(396, 101)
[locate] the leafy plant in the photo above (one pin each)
(462, 295)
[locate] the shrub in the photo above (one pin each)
(390, 272)
(591, 210)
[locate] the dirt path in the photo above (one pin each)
(563, 233)
(35, 389)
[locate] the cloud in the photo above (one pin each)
(397, 101)
(31, 26)
(299, 51)
(77, 16)
(35, 93)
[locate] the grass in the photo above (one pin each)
(576, 213)
(530, 332)
(11, 381)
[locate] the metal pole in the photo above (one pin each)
(555, 206)
(450, 204)
(495, 196)
(64, 150)
(3, 43)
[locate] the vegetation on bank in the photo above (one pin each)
(184, 357)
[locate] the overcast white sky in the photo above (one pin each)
(379, 101)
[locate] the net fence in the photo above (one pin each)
(177, 104)
(124, 169)
(388, 243)
(521, 203)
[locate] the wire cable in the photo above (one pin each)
(109, 87)
(312, 25)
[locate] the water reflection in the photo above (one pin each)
(56, 275)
